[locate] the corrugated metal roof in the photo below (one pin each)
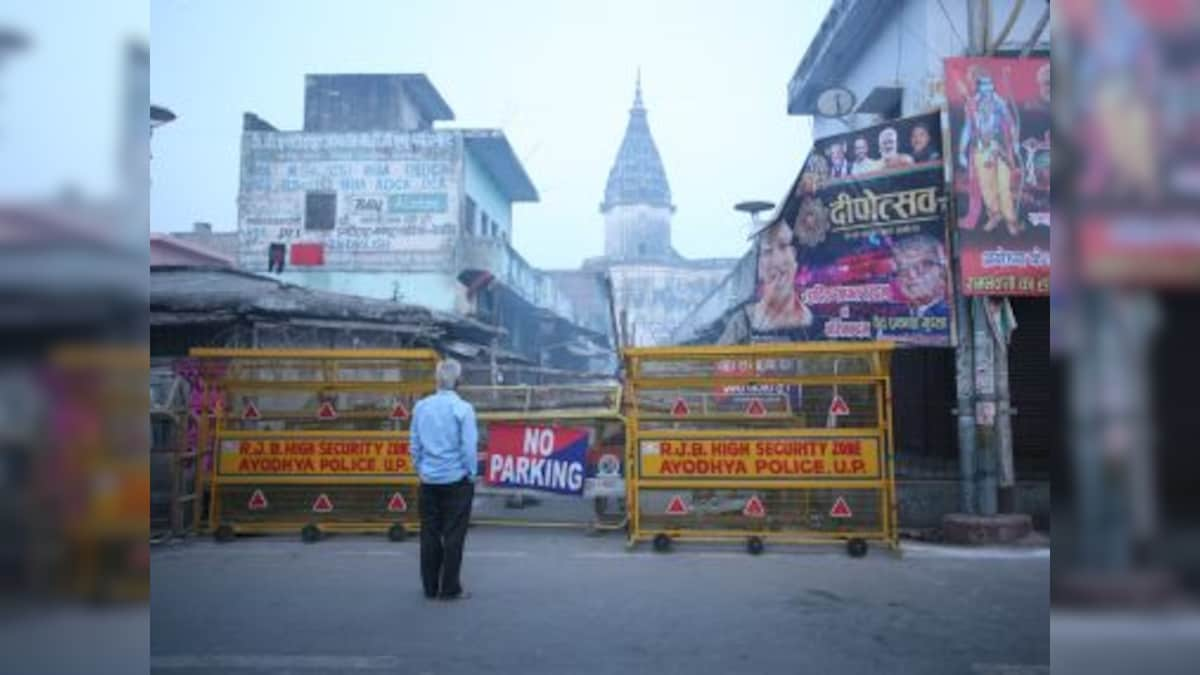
(176, 290)
(169, 250)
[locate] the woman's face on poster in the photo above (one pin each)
(777, 263)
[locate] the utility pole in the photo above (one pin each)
(964, 367)
(969, 356)
(1001, 324)
(985, 408)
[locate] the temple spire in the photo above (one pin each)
(637, 175)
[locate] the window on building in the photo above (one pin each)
(275, 258)
(484, 224)
(320, 210)
(468, 215)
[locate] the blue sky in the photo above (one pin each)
(60, 105)
(557, 77)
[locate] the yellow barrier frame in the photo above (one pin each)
(330, 360)
(634, 358)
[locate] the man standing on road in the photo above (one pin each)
(444, 451)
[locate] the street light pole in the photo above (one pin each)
(754, 207)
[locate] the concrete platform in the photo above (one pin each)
(972, 530)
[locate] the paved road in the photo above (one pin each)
(561, 602)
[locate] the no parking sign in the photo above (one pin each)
(546, 458)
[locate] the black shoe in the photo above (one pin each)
(461, 595)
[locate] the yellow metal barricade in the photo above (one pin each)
(779, 442)
(90, 492)
(312, 439)
(595, 407)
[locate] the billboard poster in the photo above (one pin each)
(857, 250)
(546, 458)
(1000, 133)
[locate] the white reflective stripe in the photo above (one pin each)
(283, 662)
(929, 551)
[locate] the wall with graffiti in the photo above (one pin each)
(349, 201)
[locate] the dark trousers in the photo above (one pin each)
(445, 512)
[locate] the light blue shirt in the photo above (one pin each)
(444, 439)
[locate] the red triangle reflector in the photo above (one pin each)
(397, 504)
(250, 411)
(680, 409)
(258, 501)
(677, 507)
(322, 504)
(841, 509)
(838, 406)
(399, 412)
(326, 411)
(755, 408)
(754, 508)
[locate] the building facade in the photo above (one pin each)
(369, 199)
(889, 57)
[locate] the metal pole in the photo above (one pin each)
(1099, 495)
(964, 353)
(1004, 438)
(965, 385)
(972, 28)
(978, 28)
(1004, 412)
(1112, 435)
(985, 409)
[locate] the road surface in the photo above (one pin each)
(559, 601)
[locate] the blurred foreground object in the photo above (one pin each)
(1123, 297)
(73, 376)
(93, 480)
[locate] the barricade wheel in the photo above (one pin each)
(857, 548)
(224, 533)
(754, 545)
(662, 543)
(397, 532)
(310, 533)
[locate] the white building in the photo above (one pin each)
(370, 199)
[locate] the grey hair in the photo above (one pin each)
(921, 241)
(448, 372)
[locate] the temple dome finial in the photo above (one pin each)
(637, 175)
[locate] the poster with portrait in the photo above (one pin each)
(857, 250)
(1000, 133)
